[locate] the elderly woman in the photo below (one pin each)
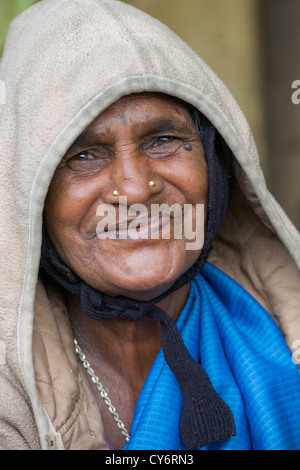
(127, 324)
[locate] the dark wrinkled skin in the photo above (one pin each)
(122, 138)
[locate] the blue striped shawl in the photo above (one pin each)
(247, 359)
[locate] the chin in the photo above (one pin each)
(143, 287)
(144, 294)
(141, 274)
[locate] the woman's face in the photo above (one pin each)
(140, 138)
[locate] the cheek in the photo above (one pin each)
(63, 197)
(194, 181)
(59, 212)
(57, 202)
(64, 206)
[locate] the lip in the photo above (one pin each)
(138, 228)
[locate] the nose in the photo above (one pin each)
(133, 176)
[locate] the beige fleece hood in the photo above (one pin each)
(64, 62)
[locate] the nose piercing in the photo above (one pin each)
(151, 184)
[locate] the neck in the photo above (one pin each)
(121, 352)
(126, 347)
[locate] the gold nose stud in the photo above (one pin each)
(151, 183)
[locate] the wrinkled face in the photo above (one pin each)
(139, 139)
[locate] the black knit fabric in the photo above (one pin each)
(205, 417)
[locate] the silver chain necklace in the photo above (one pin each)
(101, 390)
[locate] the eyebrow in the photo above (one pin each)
(167, 125)
(86, 138)
(151, 126)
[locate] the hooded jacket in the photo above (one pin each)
(64, 62)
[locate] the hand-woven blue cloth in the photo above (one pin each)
(248, 361)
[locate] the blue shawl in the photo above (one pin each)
(248, 361)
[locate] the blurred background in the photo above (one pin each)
(253, 45)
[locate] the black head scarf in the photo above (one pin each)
(205, 417)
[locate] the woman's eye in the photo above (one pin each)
(92, 160)
(163, 141)
(163, 147)
(83, 156)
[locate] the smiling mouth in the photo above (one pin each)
(147, 227)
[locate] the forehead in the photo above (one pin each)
(144, 107)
